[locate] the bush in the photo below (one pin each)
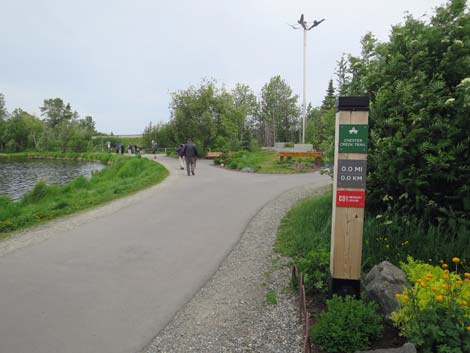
(347, 325)
(435, 311)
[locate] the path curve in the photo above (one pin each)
(109, 279)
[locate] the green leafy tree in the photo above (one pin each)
(3, 116)
(278, 111)
(418, 83)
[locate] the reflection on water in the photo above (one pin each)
(18, 176)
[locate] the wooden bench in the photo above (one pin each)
(316, 155)
(211, 155)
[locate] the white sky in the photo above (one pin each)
(118, 60)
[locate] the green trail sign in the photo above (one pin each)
(353, 138)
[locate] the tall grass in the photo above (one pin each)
(123, 175)
(307, 227)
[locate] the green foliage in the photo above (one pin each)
(316, 268)
(61, 130)
(347, 325)
(265, 162)
(271, 297)
(123, 175)
(435, 313)
(394, 238)
(307, 227)
(419, 86)
(278, 112)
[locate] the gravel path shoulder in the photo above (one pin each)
(231, 313)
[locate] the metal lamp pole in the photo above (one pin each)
(306, 28)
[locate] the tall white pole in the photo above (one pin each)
(304, 107)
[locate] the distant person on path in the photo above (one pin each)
(180, 151)
(190, 155)
(154, 149)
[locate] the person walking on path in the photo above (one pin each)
(190, 155)
(180, 151)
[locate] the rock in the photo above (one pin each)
(382, 283)
(248, 170)
(406, 348)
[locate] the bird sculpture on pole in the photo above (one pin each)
(305, 26)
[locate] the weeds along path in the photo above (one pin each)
(109, 279)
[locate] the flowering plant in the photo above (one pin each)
(435, 311)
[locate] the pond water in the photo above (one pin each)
(18, 176)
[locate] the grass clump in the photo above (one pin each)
(124, 175)
(271, 297)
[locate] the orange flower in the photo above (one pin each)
(428, 277)
(467, 275)
(445, 266)
(445, 277)
(455, 260)
(440, 298)
(434, 289)
(459, 282)
(446, 272)
(464, 303)
(422, 285)
(468, 328)
(467, 280)
(405, 298)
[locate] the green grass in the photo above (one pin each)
(271, 297)
(124, 175)
(307, 227)
(266, 162)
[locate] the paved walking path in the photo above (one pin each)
(108, 280)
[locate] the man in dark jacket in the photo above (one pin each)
(190, 155)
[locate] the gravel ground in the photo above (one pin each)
(231, 313)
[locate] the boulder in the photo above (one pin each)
(406, 348)
(382, 283)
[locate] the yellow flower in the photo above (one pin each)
(455, 260)
(446, 272)
(422, 285)
(467, 280)
(445, 277)
(434, 289)
(405, 297)
(459, 282)
(398, 296)
(464, 303)
(467, 275)
(428, 277)
(419, 280)
(468, 328)
(445, 266)
(440, 298)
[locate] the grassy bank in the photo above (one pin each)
(266, 162)
(306, 229)
(124, 175)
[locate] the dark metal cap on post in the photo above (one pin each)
(352, 103)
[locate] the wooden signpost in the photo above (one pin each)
(350, 167)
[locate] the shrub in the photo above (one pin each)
(347, 325)
(435, 311)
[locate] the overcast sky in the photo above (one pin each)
(118, 60)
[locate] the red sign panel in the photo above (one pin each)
(349, 198)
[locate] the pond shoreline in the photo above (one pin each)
(121, 177)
